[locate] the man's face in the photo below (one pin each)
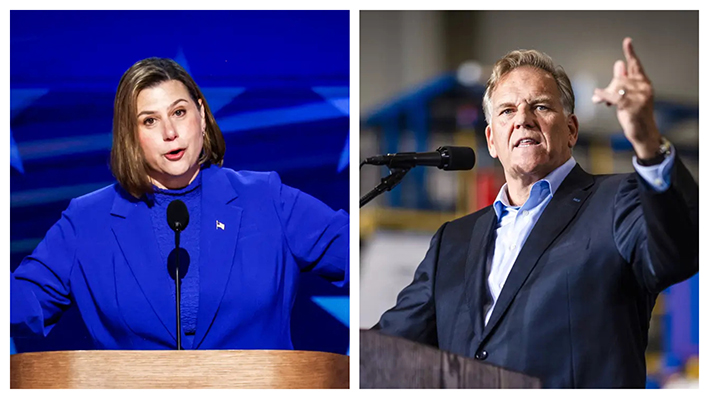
(529, 131)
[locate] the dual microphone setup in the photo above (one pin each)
(446, 158)
(177, 218)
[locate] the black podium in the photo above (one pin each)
(392, 362)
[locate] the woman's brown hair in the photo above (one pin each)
(128, 163)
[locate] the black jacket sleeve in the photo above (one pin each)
(658, 232)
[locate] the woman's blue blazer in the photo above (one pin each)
(257, 236)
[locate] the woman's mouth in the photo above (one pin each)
(175, 155)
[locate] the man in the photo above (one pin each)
(558, 278)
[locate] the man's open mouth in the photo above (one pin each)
(526, 142)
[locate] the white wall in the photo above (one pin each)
(398, 50)
(391, 259)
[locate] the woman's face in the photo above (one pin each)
(170, 126)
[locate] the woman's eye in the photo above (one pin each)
(148, 121)
(180, 112)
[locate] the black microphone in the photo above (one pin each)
(177, 218)
(446, 158)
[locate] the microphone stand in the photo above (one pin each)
(388, 182)
(177, 288)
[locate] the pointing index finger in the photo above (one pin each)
(634, 66)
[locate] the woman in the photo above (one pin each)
(248, 237)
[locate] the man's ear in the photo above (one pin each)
(490, 142)
(573, 124)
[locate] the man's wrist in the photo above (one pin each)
(653, 153)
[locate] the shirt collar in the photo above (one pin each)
(552, 181)
(162, 193)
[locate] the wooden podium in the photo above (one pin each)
(179, 369)
(392, 362)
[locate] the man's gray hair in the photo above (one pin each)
(533, 58)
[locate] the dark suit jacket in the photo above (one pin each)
(576, 306)
(103, 257)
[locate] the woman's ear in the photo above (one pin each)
(201, 112)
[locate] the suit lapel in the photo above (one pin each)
(559, 212)
(475, 267)
(133, 230)
(221, 220)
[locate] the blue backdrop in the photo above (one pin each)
(276, 81)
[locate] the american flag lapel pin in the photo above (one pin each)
(220, 225)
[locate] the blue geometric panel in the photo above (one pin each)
(339, 97)
(22, 98)
(344, 155)
(337, 306)
(182, 60)
(280, 116)
(219, 97)
(15, 158)
(263, 97)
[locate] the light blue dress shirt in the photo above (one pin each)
(514, 223)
